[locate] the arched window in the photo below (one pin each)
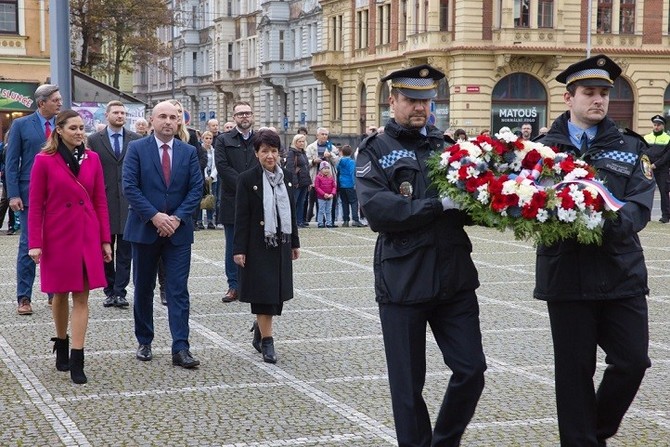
(621, 103)
(666, 101)
(518, 98)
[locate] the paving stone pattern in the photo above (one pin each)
(329, 387)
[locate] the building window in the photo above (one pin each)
(336, 103)
(627, 17)
(336, 33)
(383, 104)
(9, 16)
(402, 26)
(230, 56)
(384, 20)
(194, 69)
(444, 15)
(362, 29)
(516, 99)
(521, 13)
(604, 21)
(545, 14)
(281, 45)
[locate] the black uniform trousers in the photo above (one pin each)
(662, 178)
(455, 326)
(117, 272)
(620, 327)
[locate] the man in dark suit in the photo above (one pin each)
(111, 144)
(233, 154)
(26, 138)
(163, 184)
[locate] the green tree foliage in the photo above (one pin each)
(114, 35)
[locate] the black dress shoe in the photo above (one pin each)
(184, 359)
(110, 301)
(268, 348)
(664, 220)
(121, 302)
(144, 353)
(256, 342)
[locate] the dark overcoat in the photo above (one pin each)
(112, 169)
(267, 277)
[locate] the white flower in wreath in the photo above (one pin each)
(483, 195)
(575, 174)
(452, 176)
(593, 219)
(566, 215)
(542, 215)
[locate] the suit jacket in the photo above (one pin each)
(26, 138)
(147, 193)
(68, 221)
(112, 170)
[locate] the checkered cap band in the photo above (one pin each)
(389, 160)
(591, 73)
(414, 83)
(625, 157)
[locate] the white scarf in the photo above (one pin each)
(276, 208)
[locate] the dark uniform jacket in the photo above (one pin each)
(569, 271)
(422, 252)
(112, 169)
(267, 277)
(232, 156)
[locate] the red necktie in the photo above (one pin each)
(165, 161)
(47, 129)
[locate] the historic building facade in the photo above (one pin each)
(24, 57)
(258, 51)
(500, 58)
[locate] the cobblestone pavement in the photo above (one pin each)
(329, 387)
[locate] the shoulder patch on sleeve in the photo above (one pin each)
(362, 171)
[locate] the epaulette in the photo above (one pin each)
(366, 140)
(632, 133)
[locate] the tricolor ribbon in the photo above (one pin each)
(611, 202)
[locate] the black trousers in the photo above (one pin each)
(621, 329)
(117, 272)
(662, 178)
(455, 326)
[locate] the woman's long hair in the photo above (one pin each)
(182, 133)
(51, 145)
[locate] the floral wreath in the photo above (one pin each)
(538, 192)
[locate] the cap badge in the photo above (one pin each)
(601, 62)
(423, 73)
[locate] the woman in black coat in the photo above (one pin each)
(266, 239)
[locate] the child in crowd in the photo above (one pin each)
(345, 187)
(326, 188)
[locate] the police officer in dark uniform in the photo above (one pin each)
(659, 155)
(423, 270)
(596, 295)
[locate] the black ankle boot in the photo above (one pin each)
(268, 348)
(77, 366)
(62, 349)
(256, 342)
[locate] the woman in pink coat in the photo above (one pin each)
(68, 232)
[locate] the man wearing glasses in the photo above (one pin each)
(234, 153)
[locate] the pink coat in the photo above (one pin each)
(324, 185)
(69, 221)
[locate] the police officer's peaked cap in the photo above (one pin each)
(658, 119)
(596, 71)
(418, 82)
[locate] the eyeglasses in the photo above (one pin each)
(243, 114)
